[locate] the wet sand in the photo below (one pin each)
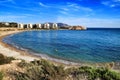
(10, 51)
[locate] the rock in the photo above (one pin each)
(77, 28)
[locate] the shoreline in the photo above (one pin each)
(17, 53)
(11, 51)
(27, 55)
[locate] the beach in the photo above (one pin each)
(9, 51)
(26, 55)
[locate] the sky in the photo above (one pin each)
(89, 13)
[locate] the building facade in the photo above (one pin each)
(20, 26)
(30, 26)
(39, 26)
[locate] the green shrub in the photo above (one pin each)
(20, 76)
(52, 72)
(5, 60)
(93, 73)
(1, 76)
(41, 70)
(45, 70)
(24, 64)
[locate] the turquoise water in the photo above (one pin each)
(92, 45)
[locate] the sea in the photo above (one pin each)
(91, 45)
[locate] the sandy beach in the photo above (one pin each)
(9, 51)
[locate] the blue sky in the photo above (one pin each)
(90, 13)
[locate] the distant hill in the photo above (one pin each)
(62, 25)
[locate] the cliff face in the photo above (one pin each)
(77, 28)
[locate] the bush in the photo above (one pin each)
(52, 72)
(41, 70)
(44, 70)
(1, 76)
(106, 74)
(92, 73)
(5, 60)
(24, 64)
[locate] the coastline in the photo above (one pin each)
(11, 51)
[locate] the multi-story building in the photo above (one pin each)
(30, 26)
(20, 26)
(39, 26)
(46, 26)
(54, 26)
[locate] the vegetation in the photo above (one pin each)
(5, 60)
(1, 76)
(44, 70)
(94, 73)
(40, 70)
(9, 24)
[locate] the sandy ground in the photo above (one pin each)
(10, 51)
(11, 67)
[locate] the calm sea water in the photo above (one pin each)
(92, 45)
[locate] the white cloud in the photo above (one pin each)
(65, 9)
(4, 1)
(108, 3)
(11, 16)
(64, 12)
(85, 8)
(116, 0)
(21, 8)
(105, 3)
(21, 18)
(43, 5)
(12, 1)
(70, 8)
(73, 6)
(111, 3)
(78, 7)
(28, 15)
(90, 22)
